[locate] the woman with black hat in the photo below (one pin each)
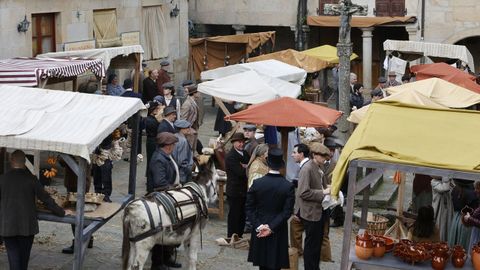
(269, 205)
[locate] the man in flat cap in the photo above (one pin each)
(249, 133)
(382, 84)
(163, 76)
(237, 182)
(190, 113)
(308, 204)
(182, 153)
(169, 117)
(376, 94)
(198, 99)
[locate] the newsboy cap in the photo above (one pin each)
(250, 127)
(164, 63)
(168, 85)
(166, 138)
(192, 89)
(187, 82)
(382, 80)
(182, 124)
(319, 149)
(169, 110)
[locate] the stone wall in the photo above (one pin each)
(74, 22)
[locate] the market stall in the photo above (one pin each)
(125, 57)
(295, 58)
(327, 53)
(437, 52)
(218, 51)
(72, 125)
(398, 136)
(37, 72)
(434, 93)
(446, 72)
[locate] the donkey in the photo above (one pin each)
(147, 222)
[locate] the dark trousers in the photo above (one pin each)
(18, 250)
(313, 243)
(236, 216)
(338, 215)
(102, 178)
(161, 255)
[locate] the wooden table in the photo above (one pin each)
(221, 198)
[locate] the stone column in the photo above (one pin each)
(412, 31)
(239, 29)
(367, 57)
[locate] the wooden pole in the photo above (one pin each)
(136, 76)
(284, 134)
(74, 84)
(401, 199)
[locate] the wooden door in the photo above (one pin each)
(43, 33)
(389, 8)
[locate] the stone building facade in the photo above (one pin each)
(445, 21)
(67, 21)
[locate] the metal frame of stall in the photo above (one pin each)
(86, 227)
(363, 186)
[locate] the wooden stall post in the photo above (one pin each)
(80, 243)
(133, 154)
(352, 179)
(136, 78)
(401, 199)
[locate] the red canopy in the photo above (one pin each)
(287, 112)
(447, 73)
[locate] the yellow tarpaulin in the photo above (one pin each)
(413, 135)
(434, 93)
(326, 53)
(295, 58)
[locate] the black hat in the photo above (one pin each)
(275, 159)
(382, 80)
(169, 110)
(187, 82)
(250, 127)
(376, 93)
(237, 137)
(192, 89)
(168, 85)
(127, 83)
(164, 63)
(333, 142)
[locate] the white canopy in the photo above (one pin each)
(106, 54)
(66, 122)
(431, 50)
(272, 68)
(249, 87)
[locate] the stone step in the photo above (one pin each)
(383, 196)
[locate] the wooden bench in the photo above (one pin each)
(221, 199)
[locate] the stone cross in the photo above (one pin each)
(344, 50)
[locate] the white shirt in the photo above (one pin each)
(303, 162)
(177, 177)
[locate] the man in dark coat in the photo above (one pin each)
(166, 125)
(163, 76)
(269, 205)
(162, 175)
(149, 90)
(249, 133)
(19, 190)
(237, 182)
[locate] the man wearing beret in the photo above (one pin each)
(163, 174)
(182, 153)
(169, 117)
(163, 76)
(251, 141)
(237, 182)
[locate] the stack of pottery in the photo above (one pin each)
(411, 252)
(364, 246)
(459, 255)
(379, 247)
(440, 255)
(476, 256)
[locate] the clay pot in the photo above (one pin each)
(439, 262)
(458, 256)
(476, 256)
(379, 247)
(364, 246)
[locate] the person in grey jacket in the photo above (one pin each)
(163, 171)
(182, 153)
(19, 190)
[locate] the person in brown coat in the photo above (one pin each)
(308, 204)
(189, 112)
(163, 76)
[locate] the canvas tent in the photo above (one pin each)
(25, 71)
(249, 87)
(70, 124)
(295, 58)
(437, 52)
(212, 52)
(271, 68)
(125, 57)
(327, 53)
(434, 93)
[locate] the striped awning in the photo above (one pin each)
(25, 71)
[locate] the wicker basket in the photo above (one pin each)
(377, 225)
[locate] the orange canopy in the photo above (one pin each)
(287, 112)
(358, 21)
(447, 73)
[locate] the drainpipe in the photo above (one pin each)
(422, 31)
(299, 38)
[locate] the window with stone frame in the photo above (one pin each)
(389, 8)
(321, 5)
(43, 33)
